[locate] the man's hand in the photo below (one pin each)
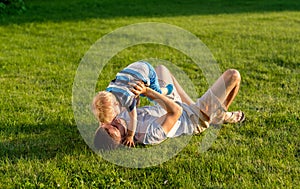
(138, 88)
(138, 101)
(129, 141)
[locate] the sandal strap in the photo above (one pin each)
(232, 118)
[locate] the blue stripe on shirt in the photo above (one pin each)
(118, 90)
(120, 93)
(123, 79)
(134, 74)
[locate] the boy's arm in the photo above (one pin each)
(129, 141)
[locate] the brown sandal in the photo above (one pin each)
(233, 118)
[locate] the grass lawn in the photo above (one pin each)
(41, 49)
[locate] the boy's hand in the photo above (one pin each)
(129, 141)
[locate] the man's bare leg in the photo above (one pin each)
(226, 88)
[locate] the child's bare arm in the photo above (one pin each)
(129, 141)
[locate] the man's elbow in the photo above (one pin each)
(178, 111)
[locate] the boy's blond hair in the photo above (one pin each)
(102, 106)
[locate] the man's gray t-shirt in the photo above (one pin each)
(149, 130)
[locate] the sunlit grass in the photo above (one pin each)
(41, 146)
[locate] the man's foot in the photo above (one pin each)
(234, 117)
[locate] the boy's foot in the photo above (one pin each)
(169, 88)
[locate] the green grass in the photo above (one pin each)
(41, 146)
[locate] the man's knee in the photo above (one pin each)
(233, 74)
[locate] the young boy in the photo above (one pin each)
(107, 104)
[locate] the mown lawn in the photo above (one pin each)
(41, 49)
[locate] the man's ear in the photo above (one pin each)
(114, 133)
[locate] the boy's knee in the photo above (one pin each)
(160, 67)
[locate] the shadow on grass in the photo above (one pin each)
(74, 10)
(41, 141)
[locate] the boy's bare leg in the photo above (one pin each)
(184, 96)
(165, 75)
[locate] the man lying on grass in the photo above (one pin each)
(173, 115)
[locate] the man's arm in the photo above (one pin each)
(174, 111)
